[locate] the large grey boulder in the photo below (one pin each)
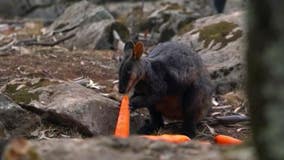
(70, 105)
(15, 121)
(88, 25)
(45, 9)
(106, 148)
(220, 41)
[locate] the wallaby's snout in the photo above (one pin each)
(121, 90)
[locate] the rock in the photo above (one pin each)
(122, 9)
(201, 7)
(71, 105)
(47, 14)
(22, 90)
(15, 121)
(165, 22)
(92, 27)
(47, 10)
(3, 132)
(105, 148)
(163, 19)
(220, 42)
(235, 5)
(116, 1)
(3, 144)
(170, 18)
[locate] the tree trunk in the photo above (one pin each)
(265, 58)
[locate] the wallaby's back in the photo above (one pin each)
(177, 60)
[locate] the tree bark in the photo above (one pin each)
(265, 59)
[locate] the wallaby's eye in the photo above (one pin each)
(128, 69)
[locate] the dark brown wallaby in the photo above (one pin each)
(170, 81)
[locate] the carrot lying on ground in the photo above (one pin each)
(226, 140)
(122, 125)
(169, 138)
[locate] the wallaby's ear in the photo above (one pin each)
(128, 48)
(138, 50)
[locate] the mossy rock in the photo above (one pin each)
(20, 90)
(184, 28)
(218, 33)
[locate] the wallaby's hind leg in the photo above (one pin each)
(195, 107)
(155, 123)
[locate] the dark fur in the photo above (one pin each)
(170, 69)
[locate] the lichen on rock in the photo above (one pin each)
(220, 41)
(218, 33)
(20, 90)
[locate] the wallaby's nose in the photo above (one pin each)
(121, 90)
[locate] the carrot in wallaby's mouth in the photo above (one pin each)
(132, 82)
(123, 120)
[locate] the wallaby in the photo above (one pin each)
(170, 81)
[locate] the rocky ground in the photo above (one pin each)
(59, 80)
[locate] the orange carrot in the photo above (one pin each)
(122, 125)
(168, 138)
(226, 140)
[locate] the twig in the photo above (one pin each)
(63, 30)
(221, 107)
(232, 119)
(33, 43)
(211, 130)
(8, 45)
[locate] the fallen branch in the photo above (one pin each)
(47, 44)
(68, 29)
(5, 47)
(232, 119)
(221, 107)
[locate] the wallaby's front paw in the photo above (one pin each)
(146, 129)
(190, 132)
(136, 102)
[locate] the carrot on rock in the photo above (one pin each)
(168, 138)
